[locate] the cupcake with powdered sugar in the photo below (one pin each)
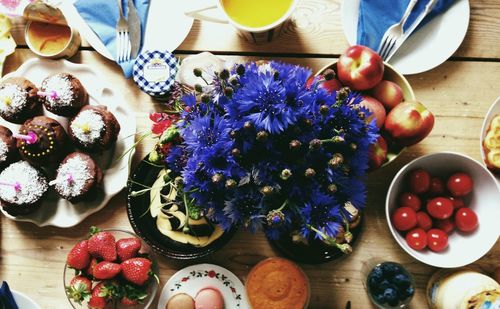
(78, 177)
(94, 129)
(63, 94)
(8, 149)
(22, 188)
(18, 99)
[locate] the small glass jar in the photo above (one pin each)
(388, 284)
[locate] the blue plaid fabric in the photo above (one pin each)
(155, 60)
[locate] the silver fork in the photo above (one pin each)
(123, 46)
(394, 33)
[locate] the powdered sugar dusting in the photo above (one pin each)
(32, 184)
(62, 86)
(72, 176)
(4, 149)
(88, 127)
(13, 99)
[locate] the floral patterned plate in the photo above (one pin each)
(192, 279)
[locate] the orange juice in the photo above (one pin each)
(48, 39)
(256, 13)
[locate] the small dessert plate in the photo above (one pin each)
(23, 301)
(192, 279)
(492, 112)
(55, 211)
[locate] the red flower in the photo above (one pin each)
(212, 274)
(161, 122)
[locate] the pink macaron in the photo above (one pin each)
(209, 298)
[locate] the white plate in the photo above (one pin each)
(56, 211)
(23, 301)
(192, 279)
(166, 28)
(427, 47)
(494, 110)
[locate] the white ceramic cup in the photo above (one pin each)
(257, 35)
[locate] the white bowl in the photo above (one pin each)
(462, 248)
(492, 112)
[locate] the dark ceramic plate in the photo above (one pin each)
(316, 252)
(145, 226)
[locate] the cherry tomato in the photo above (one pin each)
(424, 221)
(437, 240)
(457, 202)
(436, 187)
(416, 239)
(404, 218)
(410, 200)
(460, 184)
(445, 225)
(420, 181)
(466, 220)
(440, 208)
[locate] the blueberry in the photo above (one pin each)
(384, 284)
(390, 270)
(379, 298)
(373, 283)
(409, 292)
(391, 296)
(402, 281)
(377, 273)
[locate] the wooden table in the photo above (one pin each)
(458, 92)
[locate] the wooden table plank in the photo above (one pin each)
(317, 30)
(458, 92)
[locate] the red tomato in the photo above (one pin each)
(424, 221)
(437, 240)
(410, 200)
(436, 187)
(404, 218)
(416, 239)
(457, 202)
(460, 184)
(440, 208)
(466, 220)
(420, 181)
(445, 225)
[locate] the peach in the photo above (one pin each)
(409, 122)
(360, 68)
(377, 153)
(388, 93)
(376, 108)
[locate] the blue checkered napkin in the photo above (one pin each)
(154, 72)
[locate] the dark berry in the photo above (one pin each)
(402, 281)
(391, 296)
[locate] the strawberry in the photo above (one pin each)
(79, 289)
(79, 257)
(128, 302)
(90, 269)
(106, 270)
(99, 297)
(102, 245)
(136, 270)
(127, 248)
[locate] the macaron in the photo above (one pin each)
(209, 298)
(180, 301)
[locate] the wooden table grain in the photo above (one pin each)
(459, 92)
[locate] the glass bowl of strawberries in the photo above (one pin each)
(112, 268)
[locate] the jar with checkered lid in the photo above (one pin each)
(154, 73)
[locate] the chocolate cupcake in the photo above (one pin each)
(8, 149)
(78, 177)
(18, 99)
(63, 94)
(22, 188)
(42, 141)
(94, 129)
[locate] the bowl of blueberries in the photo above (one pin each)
(389, 285)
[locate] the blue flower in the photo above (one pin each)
(321, 212)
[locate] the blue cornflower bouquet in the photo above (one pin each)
(265, 146)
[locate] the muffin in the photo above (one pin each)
(63, 94)
(78, 177)
(491, 145)
(180, 301)
(18, 99)
(94, 129)
(277, 283)
(45, 141)
(8, 149)
(22, 188)
(209, 298)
